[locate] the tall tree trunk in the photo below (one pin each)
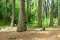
(45, 9)
(57, 8)
(28, 11)
(6, 14)
(13, 13)
(59, 13)
(39, 13)
(52, 13)
(22, 24)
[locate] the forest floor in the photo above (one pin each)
(11, 34)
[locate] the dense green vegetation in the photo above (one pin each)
(32, 12)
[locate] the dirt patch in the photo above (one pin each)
(30, 35)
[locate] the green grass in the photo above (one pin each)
(45, 23)
(3, 25)
(34, 24)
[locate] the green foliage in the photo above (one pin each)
(34, 19)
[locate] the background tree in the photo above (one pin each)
(6, 12)
(1, 10)
(57, 8)
(28, 11)
(13, 13)
(45, 9)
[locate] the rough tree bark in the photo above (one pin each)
(58, 13)
(52, 13)
(39, 13)
(21, 22)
